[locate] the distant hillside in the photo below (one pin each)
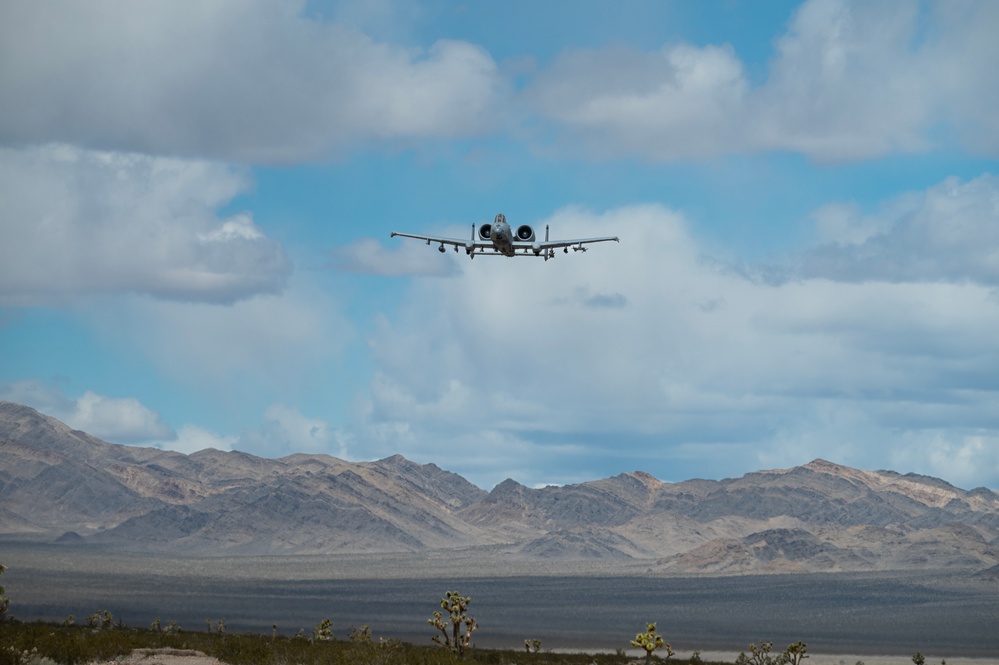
(63, 485)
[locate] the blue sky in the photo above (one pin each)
(196, 201)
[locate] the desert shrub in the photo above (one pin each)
(73, 645)
(10, 656)
(241, 650)
(52, 643)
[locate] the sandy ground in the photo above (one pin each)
(188, 657)
(164, 657)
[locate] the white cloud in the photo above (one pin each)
(257, 81)
(962, 458)
(849, 80)
(960, 62)
(240, 80)
(848, 83)
(116, 419)
(121, 420)
(691, 355)
(38, 395)
(948, 233)
(191, 438)
(75, 222)
(285, 431)
(680, 101)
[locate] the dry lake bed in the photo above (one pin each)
(579, 606)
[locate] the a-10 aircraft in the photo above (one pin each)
(499, 239)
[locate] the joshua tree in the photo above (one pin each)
(101, 620)
(794, 653)
(360, 635)
(218, 627)
(323, 632)
(170, 629)
(4, 601)
(455, 605)
(650, 640)
(762, 655)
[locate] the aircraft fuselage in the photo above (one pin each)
(502, 236)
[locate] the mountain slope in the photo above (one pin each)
(820, 517)
(54, 479)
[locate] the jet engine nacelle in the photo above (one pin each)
(525, 233)
(486, 231)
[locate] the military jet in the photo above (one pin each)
(499, 239)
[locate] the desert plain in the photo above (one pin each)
(876, 618)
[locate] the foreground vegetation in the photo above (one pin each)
(53, 644)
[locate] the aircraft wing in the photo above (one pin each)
(454, 242)
(576, 244)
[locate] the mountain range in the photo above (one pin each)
(63, 485)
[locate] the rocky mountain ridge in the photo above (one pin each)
(58, 483)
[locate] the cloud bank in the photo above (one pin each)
(654, 351)
(75, 222)
(950, 233)
(129, 131)
(848, 81)
(238, 80)
(255, 81)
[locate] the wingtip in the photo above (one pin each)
(393, 234)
